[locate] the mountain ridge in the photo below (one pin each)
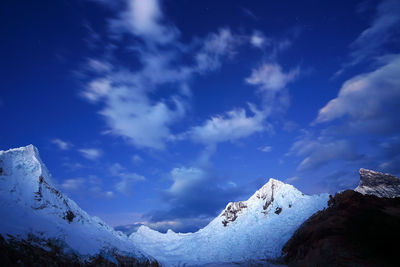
(42, 224)
(34, 207)
(254, 229)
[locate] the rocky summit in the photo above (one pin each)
(378, 184)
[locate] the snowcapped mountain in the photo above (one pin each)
(30, 205)
(244, 231)
(378, 184)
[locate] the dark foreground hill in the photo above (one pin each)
(35, 252)
(355, 230)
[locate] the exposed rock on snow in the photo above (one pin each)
(231, 211)
(30, 205)
(247, 230)
(378, 184)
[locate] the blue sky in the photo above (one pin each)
(161, 112)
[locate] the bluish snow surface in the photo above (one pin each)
(256, 233)
(31, 204)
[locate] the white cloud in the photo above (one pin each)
(249, 13)
(109, 194)
(292, 179)
(145, 19)
(369, 100)
(271, 77)
(322, 150)
(132, 107)
(136, 159)
(257, 39)
(383, 28)
(63, 145)
(81, 185)
(98, 66)
(127, 180)
(129, 107)
(97, 89)
(131, 114)
(215, 46)
(184, 179)
(373, 41)
(91, 153)
(73, 184)
(233, 125)
(266, 149)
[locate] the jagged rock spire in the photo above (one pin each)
(378, 184)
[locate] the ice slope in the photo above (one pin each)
(31, 204)
(247, 230)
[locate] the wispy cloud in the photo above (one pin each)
(128, 97)
(233, 125)
(98, 66)
(61, 144)
(319, 151)
(247, 12)
(369, 101)
(259, 40)
(195, 196)
(91, 153)
(137, 159)
(266, 149)
(91, 184)
(73, 184)
(271, 77)
(366, 108)
(272, 84)
(145, 19)
(184, 179)
(215, 46)
(292, 179)
(127, 180)
(382, 30)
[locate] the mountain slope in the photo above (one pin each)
(378, 184)
(248, 230)
(33, 209)
(355, 230)
(359, 228)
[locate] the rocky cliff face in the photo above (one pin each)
(231, 211)
(378, 184)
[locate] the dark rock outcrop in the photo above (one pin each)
(378, 184)
(355, 230)
(40, 252)
(231, 211)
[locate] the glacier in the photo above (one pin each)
(30, 204)
(255, 229)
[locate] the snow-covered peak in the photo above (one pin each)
(378, 184)
(268, 189)
(23, 162)
(253, 229)
(262, 201)
(34, 206)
